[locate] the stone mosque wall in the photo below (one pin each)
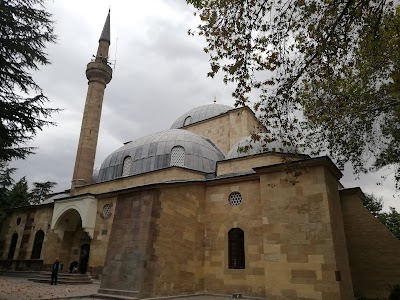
(227, 129)
(374, 252)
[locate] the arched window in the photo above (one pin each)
(187, 121)
(236, 248)
(37, 244)
(178, 156)
(126, 166)
(13, 245)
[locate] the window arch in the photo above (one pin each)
(178, 156)
(187, 121)
(236, 249)
(126, 166)
(13, 245)
(37, 244)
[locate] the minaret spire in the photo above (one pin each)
(105, 34)
(99, 74)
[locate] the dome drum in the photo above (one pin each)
(153, 152)
(199, 114)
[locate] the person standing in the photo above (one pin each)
(54, 272)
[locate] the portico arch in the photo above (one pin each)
(81, 208)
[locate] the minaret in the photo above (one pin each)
(98, 73)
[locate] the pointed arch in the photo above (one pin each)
(13, 245)
(236, 255)
(37, 244)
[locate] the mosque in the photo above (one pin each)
(184, 211)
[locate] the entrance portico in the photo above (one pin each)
(74, 221)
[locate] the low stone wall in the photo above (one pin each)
(21, 265)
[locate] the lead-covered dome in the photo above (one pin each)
(200, 113)
(174, 147)
(256, 147)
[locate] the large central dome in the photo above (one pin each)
(174, 147)
(200, 113)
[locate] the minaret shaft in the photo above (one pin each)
(99, 74)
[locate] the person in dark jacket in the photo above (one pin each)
(73, 266)
(54, 272)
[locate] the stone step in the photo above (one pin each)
(63, 278)
(111, 297)
(61, 275)
(61, 281)
(118, 293)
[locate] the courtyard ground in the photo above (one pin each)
(17, 288)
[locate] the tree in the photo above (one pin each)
(322, 75)
(40, 191)
(25, 29)
(390, 219)
(6, 182)
(18, 195)
(373, 204)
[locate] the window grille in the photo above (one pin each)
(106, 211)
(126, 166)
(236, 249)
(235, 198)
(178, 156)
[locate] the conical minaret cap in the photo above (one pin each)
(105, 34)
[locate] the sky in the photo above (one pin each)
(159, 74)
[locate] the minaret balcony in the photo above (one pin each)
(99, 71)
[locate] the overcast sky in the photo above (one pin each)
(160, 73)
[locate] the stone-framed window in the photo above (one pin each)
(37, 244)
(13, 245)
(235, 199)
(106, 213)
(188, 121)
(126, 166)
(178, 156)
(236, 249)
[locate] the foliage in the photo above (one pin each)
(373, 204)
(40, 191)
(6, 182)
(17, 194)
(324, 75)
(25, 29)
(390, 219)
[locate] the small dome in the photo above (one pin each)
(200, 113)
(174, 147)
(257, 147)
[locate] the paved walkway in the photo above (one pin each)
(14, 288)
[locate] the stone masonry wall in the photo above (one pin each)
(102, 231)
(32, 220)
(228, 129)
(374, 252)
(300, 259)
(219, 216)
(176, 266)
(128, 249)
